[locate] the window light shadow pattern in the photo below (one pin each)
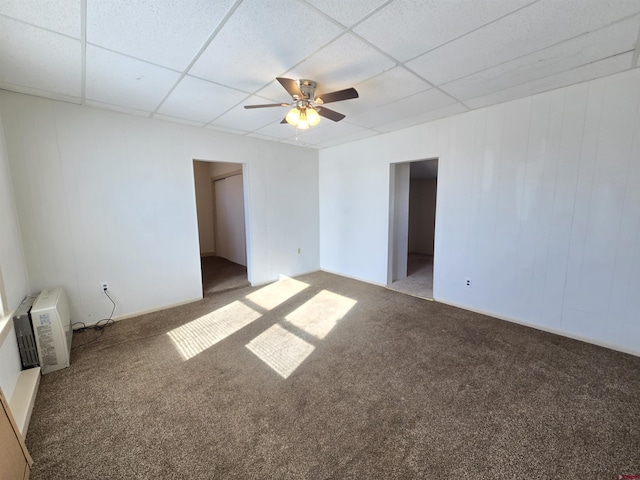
(196, 336)
(272, 295)
(320, 314)
(280, 349)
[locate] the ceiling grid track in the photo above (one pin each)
(224, 20)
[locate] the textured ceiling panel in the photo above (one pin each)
(155, 31)
(412, 61)
(342, 64)
(277, 130)
(538, 26)
(347, 13)
(199, 100)
(241, 119)
(261, 41)
(406, 28)
(62, 16)
(38, 59)
(168, 118)
(425, 117)
(348, 138)
(574, 53)
(327, 130)
(407, 107)
(385, 88)
(604, 67)
(120, 80)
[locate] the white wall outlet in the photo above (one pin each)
(104, 286)
(467, 282)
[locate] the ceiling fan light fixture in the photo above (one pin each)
(303, 123)
(313, 117)
(293, 117)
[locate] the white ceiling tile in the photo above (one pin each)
(168, 118)
(573, 53)
(407, 28)
(447, 111)
(407, 107)
(199, 100)
(160, 32)
(277, 130)
(118, 80)
(341, 64)
(117, 108)
(39, 59)
(225, 130)
(327, 130)
(262, 137)
(591, 71)
(385, 88)
(240, 118)
(275, 93)
(349, 12)
(299, 143)
(61, 16)
(261, 40)
(538, 26)
(348, 138)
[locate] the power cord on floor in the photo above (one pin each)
(99, 326)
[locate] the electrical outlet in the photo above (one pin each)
(105, 286)
(299, 250)
(467, 282)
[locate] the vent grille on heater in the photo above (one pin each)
(25, 335)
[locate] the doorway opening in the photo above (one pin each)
(221, 214)
(412, 214)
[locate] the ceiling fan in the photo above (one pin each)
(306, 107)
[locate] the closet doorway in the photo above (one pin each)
(412, 227)
(221, 225)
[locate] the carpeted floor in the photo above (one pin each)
(324, 377)
(419, 279)
(220, 274)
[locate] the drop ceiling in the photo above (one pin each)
(198, 62)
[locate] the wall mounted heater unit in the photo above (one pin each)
(52, 327)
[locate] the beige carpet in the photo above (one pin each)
(324, 377)
(419, 280)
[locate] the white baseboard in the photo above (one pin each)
(555, 331)
(143, 312)
(24, 397)
(353, 278)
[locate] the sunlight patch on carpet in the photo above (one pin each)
(196, 336)
(280, 349)
(320, 314)
(272, 295)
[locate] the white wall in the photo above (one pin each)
(204, 204)
(103, 196)
(230, 219)
(422, 215)
(13, 272)
(538, 203)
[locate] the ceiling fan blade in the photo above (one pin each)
(291, 86)
(337, 96)
(330, 114)
(267, 105)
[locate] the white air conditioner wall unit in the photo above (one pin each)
(52, 328)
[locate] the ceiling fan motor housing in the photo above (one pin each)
(308, 88)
